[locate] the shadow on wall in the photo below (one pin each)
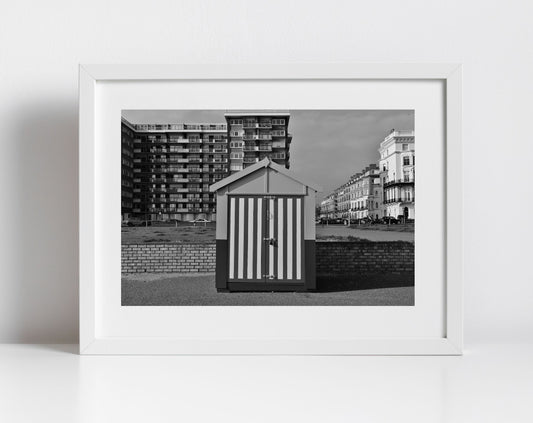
(41, 302)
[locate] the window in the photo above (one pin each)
(406, 161)
(405, 147)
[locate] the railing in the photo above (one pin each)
(399, 134)
(399, 200)
(215, 160)
(399, 181)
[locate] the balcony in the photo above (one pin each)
(250, 160)
(264, 137)
(400, 200)
(399, 182)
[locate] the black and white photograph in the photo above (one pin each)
(267, 207)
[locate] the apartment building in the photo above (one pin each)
(397, 172)
(253, 136)
(365, 194)
(127, 135)
(387, 189)
(328, 207)
(343, 201)
(167, 168)
(173, 167)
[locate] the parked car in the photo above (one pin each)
(204, 221)
(138, 222)
(389, 220)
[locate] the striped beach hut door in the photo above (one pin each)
(265, 239)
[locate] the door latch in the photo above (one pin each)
(271, 241)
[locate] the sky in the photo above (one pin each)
(328, 146)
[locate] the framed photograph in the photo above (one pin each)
(261, 209)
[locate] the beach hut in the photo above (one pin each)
(265, 233)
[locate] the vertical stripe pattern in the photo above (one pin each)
(265, 239)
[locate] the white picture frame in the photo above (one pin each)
(92, 341)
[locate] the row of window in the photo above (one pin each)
(180, 126)
(254, 121)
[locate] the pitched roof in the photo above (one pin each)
(266, 162)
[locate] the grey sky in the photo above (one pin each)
(327, 145)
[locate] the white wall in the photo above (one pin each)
(41, 44)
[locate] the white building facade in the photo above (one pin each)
(397, 172)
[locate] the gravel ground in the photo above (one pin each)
(199, 289)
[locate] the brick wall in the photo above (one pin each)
(343, 258)
(332, 258)
(168, 258)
